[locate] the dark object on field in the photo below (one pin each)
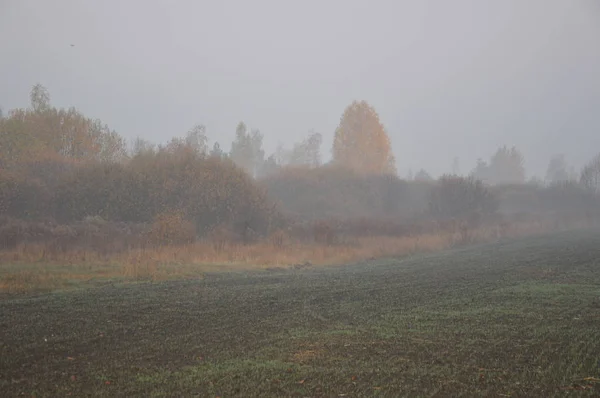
(274, 269)
(306, 264)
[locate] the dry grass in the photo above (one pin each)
(35, 268)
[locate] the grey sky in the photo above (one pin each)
(448, 78)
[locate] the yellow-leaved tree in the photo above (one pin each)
(361, 143)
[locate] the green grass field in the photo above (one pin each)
(517, 318)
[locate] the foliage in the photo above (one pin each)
(557, 170)
(269, 167)
(361, 143)
(208, 191)
(246, 149)
(59, 164)
(40, 98)
(60, 168)
(23, 197)
(567, 197)
(506, 166)
(307, 152)
(172, 229)
(141, 146)
(195, 141)
(461, 198)
(590, 175)
(304, 154)
(217, 152)
(423, 175)
(333, 192)
(45, 132)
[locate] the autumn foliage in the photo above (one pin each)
(59, 166)
(361, 143)
(68, 182)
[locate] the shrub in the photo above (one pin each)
(330, 192)
(570, 199)
(22, 197)
(172, 229)
(461, 198)
(208, 191)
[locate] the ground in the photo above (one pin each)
(511, 318)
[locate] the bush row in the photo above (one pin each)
(204, 191)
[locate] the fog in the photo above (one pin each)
(448, 79)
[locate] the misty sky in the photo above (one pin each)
(448, 78)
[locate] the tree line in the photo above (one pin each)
(59, 164)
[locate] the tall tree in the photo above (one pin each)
(505, 167)
(43, 133)
(40, 98)
(361, 142)
(455, 166)
(481, 171)
(258, 154)
(281, 155)
(269, 167)
(307, 152)
(241, 150)
(246, 150)
(423, 175)
(141, 146)
(313, 148)
(557, 170)
(197, 140)
(590, 175)
(216, 151)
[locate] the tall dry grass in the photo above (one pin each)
(31, 267)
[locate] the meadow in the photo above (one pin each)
(516, 317)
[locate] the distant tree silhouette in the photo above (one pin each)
(216, 151)
(557, 170)
(455, 166)
(423, 175)
(246, 149)
(40, 98)
(461, 198)
(194, 141)
(307, 152)
(590, 175)
(505, 167)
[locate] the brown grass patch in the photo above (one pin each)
(33, 267)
